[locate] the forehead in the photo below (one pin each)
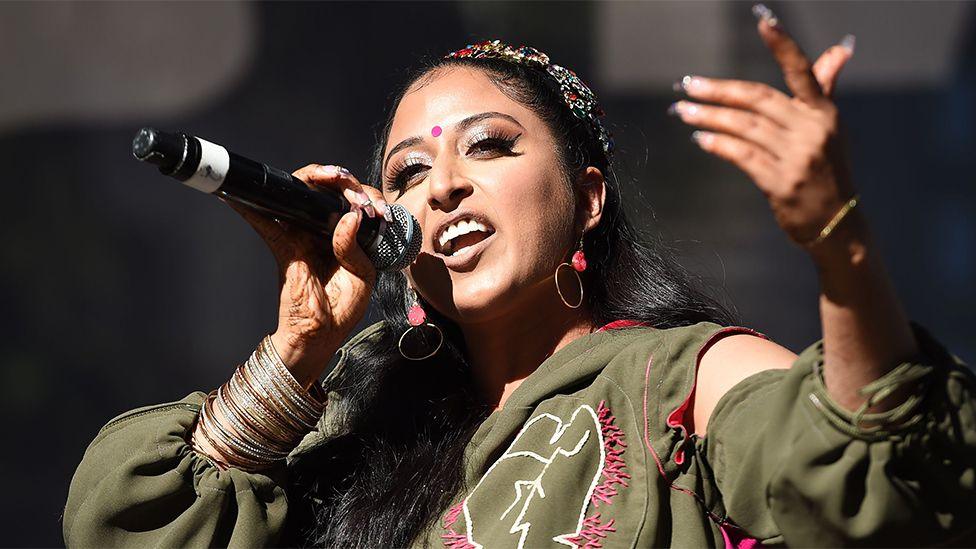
(447, 96)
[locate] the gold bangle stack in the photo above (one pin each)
(260, 415)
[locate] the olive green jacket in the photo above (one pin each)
(592, 450)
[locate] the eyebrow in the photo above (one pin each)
(459, 127)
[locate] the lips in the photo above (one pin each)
(461, 231)
(467, 258)
(460, 243)
(460, 239)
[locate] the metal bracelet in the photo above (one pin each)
(266, 390)
(241, 448)
(283, 379)
(253, 407)
(226, 454)
(253, 436)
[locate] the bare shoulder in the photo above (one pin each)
(729, 361)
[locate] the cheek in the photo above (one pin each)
(538, 226)
(539, 213)
(540, 233)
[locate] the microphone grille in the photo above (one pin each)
(400, 243)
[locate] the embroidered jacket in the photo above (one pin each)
(592, 451)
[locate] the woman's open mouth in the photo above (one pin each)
(461, 241)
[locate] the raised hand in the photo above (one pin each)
(791, 147)
(324, 288)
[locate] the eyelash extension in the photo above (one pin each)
(494, 137)
(404, 169)
(401, 172)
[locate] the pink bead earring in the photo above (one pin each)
(576, 265)
(417, 319)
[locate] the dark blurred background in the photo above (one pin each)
(121, 287)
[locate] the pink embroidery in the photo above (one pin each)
(613, 468)
(453, 539)
(735, 538)
(647, 439)
(593, 530)
(677, 419)
(593, 533)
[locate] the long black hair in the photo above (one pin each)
(394, 459)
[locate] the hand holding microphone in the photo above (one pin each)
(325, 282)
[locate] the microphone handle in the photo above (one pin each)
(210, 168)
(280, 194)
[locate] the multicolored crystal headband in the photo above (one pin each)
(578, 96)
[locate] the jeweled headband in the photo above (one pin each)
(578, 96)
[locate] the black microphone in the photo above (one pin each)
(208, 167)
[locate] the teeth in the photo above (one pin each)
(450, 233)
(459, 228)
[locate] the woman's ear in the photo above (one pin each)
(591, 193)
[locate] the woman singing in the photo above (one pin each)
(545, 376)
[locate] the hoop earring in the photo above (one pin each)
(577, 265)
(417, 318)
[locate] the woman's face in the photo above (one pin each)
(481, 174)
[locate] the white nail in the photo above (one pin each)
(848, 42)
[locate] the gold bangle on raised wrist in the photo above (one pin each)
(834, 221)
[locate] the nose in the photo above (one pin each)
(446, 187)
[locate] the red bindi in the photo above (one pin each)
(435, 131)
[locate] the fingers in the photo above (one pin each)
(797, 69)
(758, 163)
(366, 201)
(271, 231)
(745, 125)
(827, 68)
(347, 251)
(378, 204)
(341, 179)
(741, 94)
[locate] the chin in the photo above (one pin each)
(489, 291)
(479, 297)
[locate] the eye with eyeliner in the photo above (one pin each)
(403, 170)
(485, 143)
(492, 140)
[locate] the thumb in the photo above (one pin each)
(347, 251)
(827, 68)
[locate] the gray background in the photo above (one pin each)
(122, 288)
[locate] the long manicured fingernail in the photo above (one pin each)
(702, 138)
(689, 83)
(365, 204)
(368, 209)
(344, 172)
(848, 43)
(763, 13)
(683, 108)
(329, 170)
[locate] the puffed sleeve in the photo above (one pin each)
(141, 485)
(793, 467)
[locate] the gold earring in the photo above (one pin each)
(577, 265)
